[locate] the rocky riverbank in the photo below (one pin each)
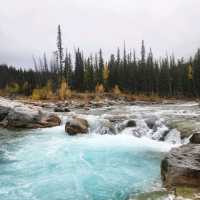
(180, 169)
(18, 115)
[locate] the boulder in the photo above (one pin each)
(24, 117)
(127, 124)
(3, 112)
(185, 127)
(116, 118)
(159, 195)
(195, 139)
(61, 109)
(76, 126)
(151, 122)
(108, 128)
(50, 120)
(131, 123)
(14, 114)
(181, 167)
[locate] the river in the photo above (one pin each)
(47, 164)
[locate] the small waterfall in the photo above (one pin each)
(151, 127)
(173, 137)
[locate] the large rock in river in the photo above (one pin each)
(131, 123)
(185, 127)
(17, 115)
(24, 117)
(181, 167)
(76, 126)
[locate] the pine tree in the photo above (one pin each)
(60, 53)
(79, 71)
(89, 75)
(68, 69)
(100, 68)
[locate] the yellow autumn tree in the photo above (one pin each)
(43, 93)
(99, 89)
(49, 92)
(64, 91)
(116, 90)
(190, 72)
(12, 88)
(106, 73)
(37, 94)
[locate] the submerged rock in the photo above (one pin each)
(127, 124)
(108, 128)
(131, 123)
(181, 167)
(155, 195)
(61, 109)
(116, 118)
(76, 126)
(195, 139)
(151, 122)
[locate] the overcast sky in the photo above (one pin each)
(29, 27)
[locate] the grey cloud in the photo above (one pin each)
(29, 27)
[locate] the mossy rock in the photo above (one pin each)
(186, 128)
(161, 195)
(187, 192)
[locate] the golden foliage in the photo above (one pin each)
(12, 88)
(116, 90)
(48, 87)
(2, 93)
(37, 94)
(64, 91)
(106, 72)
(43, 93)
(99, 88)
(190, 72)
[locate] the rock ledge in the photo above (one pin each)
(181, 167)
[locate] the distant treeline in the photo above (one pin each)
(164, 77)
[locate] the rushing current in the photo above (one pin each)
(47, 164)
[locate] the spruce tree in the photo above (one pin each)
(60, 53)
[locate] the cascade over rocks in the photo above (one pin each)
(181, 167)
(77, 126)
(127, 124)
(108, 128)
(151, 122)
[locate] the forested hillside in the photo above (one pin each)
(165, 77)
